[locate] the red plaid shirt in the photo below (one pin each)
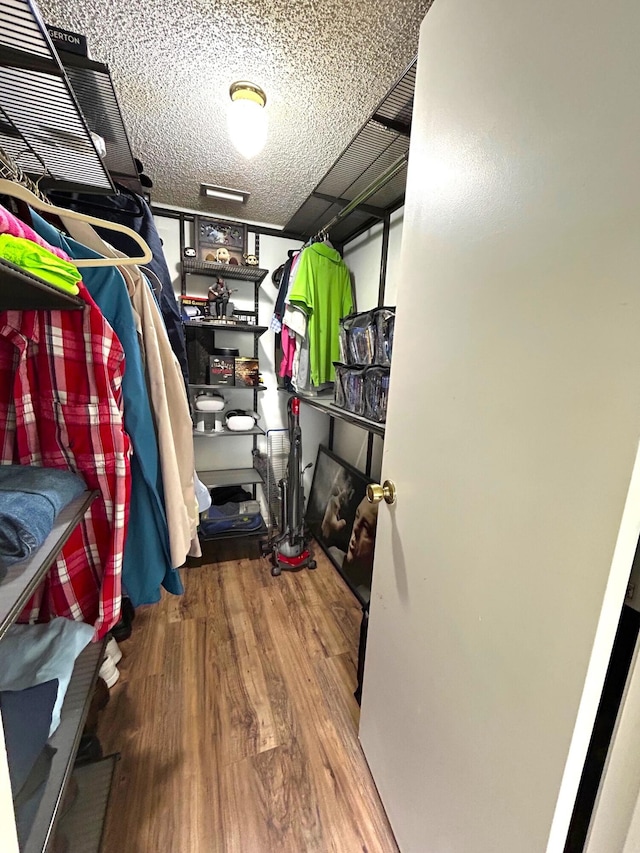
(61, 407)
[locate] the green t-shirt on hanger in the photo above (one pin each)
(322, 289)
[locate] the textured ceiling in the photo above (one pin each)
(324, 68)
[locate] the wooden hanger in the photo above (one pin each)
(18, 191)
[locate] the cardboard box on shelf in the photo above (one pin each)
(247, 372)
(221, 370)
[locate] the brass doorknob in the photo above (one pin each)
(376, 492)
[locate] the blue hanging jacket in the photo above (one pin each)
(147, 559)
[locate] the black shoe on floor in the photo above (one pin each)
(122, 629)
(90, 749)
(128, 610)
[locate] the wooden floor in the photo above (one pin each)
(236, 720)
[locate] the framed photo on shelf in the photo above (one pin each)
(213, 235)
(343, 521)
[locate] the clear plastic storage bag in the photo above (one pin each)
(376, 393)
(367, 338)
(349, 388)
(338, 388)
(384, 319)
(358, 338)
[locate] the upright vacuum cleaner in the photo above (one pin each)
(289, 550)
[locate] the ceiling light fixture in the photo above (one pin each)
(247, 118)
(211, 191)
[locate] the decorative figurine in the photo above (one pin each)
(218, 296)
(222, 255)
(250, 260)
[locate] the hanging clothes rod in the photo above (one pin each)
(366, 194)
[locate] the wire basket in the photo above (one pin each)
(272, 466)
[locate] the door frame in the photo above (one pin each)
(615, 821)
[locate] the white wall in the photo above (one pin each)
(393, 259)
(169, 231)
(362, 256)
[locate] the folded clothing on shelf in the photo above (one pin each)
(30, 499)
(40, 262)
(230, 517)
(34, 654)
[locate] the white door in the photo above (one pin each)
(513, 425)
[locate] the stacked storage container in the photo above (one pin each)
(362, 375)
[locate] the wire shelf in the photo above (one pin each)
(234, 271)
(44, 129)
(382, 140)
(272, 466)
(93, 87)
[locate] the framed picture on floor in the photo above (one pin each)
(213, 235)
(342, 520)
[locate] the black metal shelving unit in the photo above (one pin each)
(364, 186)
(22, 291)
(93, 87)
(222, 387)
(372, 171)
(16, 589)
(46, 136)
(203, 332)
(41, 124)
(226, 327)
(226, 433)
(233, 271)
(84, 825)
(23, 578)
(325, 404)
(65, 741)
(230, 477)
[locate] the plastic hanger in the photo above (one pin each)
(20, 192)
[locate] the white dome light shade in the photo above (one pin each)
(247, 119)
